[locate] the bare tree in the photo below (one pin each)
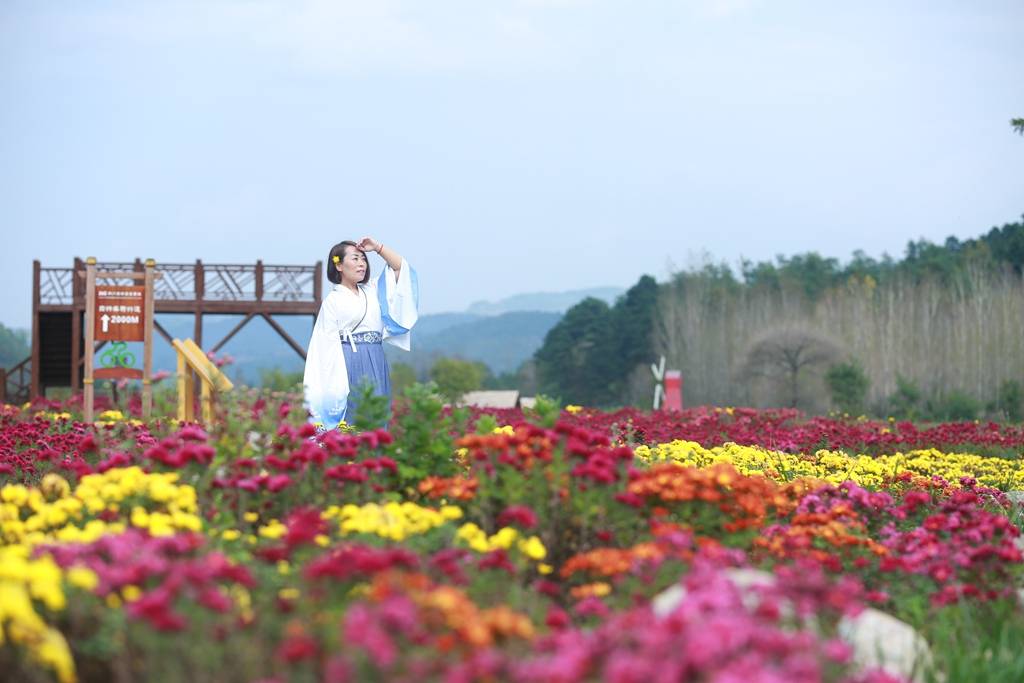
(786, 355)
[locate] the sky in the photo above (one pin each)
(501, 146)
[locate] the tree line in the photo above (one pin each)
(945, 321)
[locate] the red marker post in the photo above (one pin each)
(673, 390)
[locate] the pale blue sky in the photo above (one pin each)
(506, 146)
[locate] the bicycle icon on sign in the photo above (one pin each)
(118, 356)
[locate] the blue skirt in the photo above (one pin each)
(367, 364)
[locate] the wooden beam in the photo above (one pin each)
(77, 346)
(147, 349)
(318, 284)
(163, 333)
(284, 335)
(208, 372)
(90, 336)
(200, 289)
(36, 331)
(232, 333)
(216, 307)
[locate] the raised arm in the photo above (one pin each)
(390, 256)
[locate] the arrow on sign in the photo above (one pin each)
(105, 319)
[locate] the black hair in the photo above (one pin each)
(338, 250)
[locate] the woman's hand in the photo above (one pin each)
(369, 244)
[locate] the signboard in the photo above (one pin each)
(119, 313)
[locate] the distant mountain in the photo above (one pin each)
(436, 322)
(555, 302)
(503, 342)
(501, 334)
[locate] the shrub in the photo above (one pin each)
(904, 402)
(1010, 400)
(956, 405)
(848, 386)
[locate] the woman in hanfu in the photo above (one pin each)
(357, 315)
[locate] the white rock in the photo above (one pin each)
(878, 640)
(882, 641)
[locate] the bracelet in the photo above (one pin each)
(380, 249)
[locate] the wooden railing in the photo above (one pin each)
(199, 282)
(16, 383)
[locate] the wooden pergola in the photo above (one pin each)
(58, 311)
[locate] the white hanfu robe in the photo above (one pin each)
(391, 308)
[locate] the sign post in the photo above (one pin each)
(118, 314)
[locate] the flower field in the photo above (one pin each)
(497, 546)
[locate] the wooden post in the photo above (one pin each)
(206, 400)
(36, 331)
(147, 349)
(77, 297)
(318, 283)
(90, 336)
(184, 390)
(259, 280)
(200, 287)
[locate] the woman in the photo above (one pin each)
(356, 316)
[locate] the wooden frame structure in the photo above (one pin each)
(191, 359)
(199, 289)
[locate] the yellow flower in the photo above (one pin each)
(273, 529)
(82, 577)
(533, 548)
(54, 486)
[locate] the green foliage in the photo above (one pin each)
(545, 411)
(1010, 400)
(848, 385)
(1018, 125)
(973, 641)
(373, 411)
(277, 379)
(14, 346)
(904, 403)
(402, 377)
(956, 405)
(423, 433)
(573, 362)
(814, 274)
(633, 320)
(588, 356)
(454, 377)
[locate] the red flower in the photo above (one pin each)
(518, 514)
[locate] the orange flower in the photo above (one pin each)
(455, 488)
(744, 500)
